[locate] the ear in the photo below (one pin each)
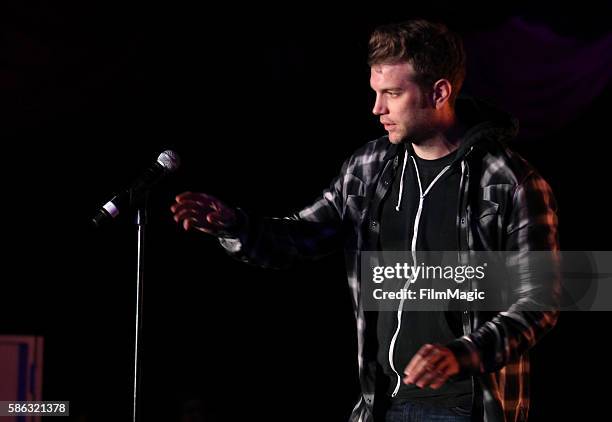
(442, 90)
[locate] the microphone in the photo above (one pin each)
(167, 162)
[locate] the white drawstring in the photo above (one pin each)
(413, 250)
(401, 189)
(421, 193)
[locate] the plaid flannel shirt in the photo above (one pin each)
(504, 205)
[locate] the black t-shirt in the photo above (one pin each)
(437, 232)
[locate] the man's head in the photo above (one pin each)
(417, 69)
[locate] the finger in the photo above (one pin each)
(428, 355)
(194, 196)
(188, 203)
(188, 223)
(189, 206)
(191, 223)
(417, 358)
(181, 196)
(425, 366)
(426, 378)
(444, 373)
(432, 373)
(412, 369)
(420, 372)
(186, 213)
(194, 220)
(215, 219)
(225, 212)
(436, 357)
(193, 204)
(220, 218)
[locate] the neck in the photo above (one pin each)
(442, 142)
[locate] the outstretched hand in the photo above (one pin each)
(203, 212)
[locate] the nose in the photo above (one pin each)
(379, 106)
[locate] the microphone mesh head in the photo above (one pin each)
(169, 160)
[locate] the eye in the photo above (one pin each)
(393, 94)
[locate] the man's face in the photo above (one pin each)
(400, 103)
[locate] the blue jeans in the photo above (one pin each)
(415, 412)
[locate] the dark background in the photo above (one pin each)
(263, 107)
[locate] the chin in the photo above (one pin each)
(395, 138)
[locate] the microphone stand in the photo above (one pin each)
(141, 221)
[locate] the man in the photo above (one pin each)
(442, 179)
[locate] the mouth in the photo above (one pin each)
(388, 126)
